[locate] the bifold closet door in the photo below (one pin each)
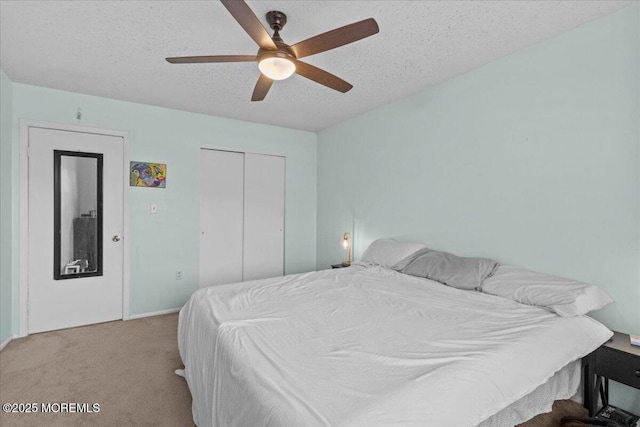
(264, 184)
(221, 217)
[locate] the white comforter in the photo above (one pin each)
(367, 347)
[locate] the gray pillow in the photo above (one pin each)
(452, 270)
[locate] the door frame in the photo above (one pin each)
(24, 210)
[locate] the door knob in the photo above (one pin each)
(116, 238)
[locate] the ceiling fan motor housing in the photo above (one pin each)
(284, 52)
(276, 20)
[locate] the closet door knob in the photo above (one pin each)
(116, 238)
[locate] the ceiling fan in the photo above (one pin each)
(278, 60)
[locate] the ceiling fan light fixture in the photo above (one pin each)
(276, 67)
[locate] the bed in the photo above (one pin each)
(370, 346)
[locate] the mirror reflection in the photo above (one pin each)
(78, 216)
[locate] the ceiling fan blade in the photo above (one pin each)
(250, 22)
(323, 77)
(336, 38)
(262, 87)
(211, 58)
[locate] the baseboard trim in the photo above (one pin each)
(154, 313)
(4, 343)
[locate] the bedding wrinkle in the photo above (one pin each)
(367, 347)
(255, 350)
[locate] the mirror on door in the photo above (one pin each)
(77, 214)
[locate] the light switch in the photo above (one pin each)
(154, 208)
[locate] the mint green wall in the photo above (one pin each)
(6, 256)
(532, 160)
(169, 240)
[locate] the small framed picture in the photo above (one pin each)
(144, 174)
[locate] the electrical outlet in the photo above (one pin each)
(178, 274)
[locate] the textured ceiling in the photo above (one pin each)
(116, 49)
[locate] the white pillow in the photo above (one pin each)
(391, 253)
(565, 297)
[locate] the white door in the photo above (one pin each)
(264, 184)
(241, 216)
(221, 217)
(75, 254)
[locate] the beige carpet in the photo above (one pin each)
(125, 367)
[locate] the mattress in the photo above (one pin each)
(564, 384)
(368, 347)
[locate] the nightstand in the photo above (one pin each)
(338, 266)
(615, 360)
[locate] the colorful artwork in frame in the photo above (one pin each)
(145, 174)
